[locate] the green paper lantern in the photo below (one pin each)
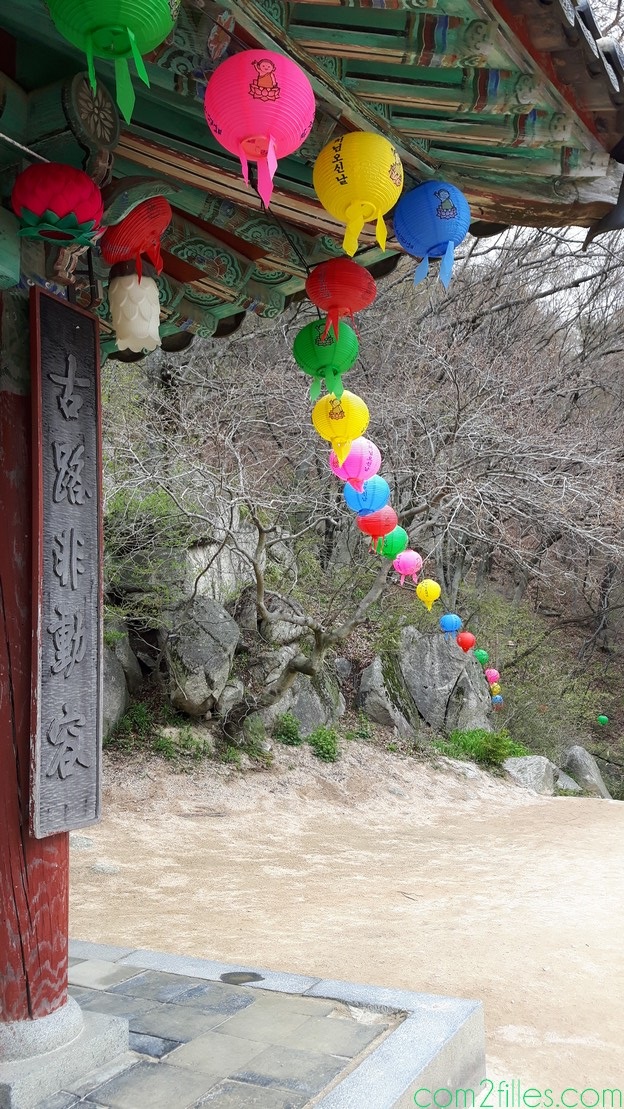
(602, 719)
(325, 359)
(393, 544)
(481, 656)
(115, 30)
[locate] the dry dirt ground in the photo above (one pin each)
(383, 870)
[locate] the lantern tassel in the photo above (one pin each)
(315, 389)
(91, 65)
(341, 448)
(421, 271)
(332, 322)
(381, 232)
(266, 172)
(355, 225)
(124, 88)
(244, 163)
(446, 265)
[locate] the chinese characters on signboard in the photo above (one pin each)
(66, 722)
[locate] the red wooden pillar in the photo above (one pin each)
(33, 873)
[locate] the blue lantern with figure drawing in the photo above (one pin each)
(450, 623)
(429, 222)
(375, 494)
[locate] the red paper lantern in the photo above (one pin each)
(340, 287)
(465, 640)
(138, 233)
(57, 202)
(379, 523)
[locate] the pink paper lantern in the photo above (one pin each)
(492, 676)
(363, 461)
(408, 564)
(259, 106)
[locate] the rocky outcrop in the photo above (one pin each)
(533, 772)
(313, 701)
(278, 630)
(115, 696)
(583, 767)
(199, 651)
(377, 700)
(116, 630)
(563, 782)
(343, 668)
(446, 685)
(233, 695)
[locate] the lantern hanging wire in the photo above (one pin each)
(24, 149)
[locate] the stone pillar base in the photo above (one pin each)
(38, 1058)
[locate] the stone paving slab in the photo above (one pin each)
(237, 1095)
(266, 1023)
(271, 1041)
(119, 1006)
(217, 1055)
(153, 1086)
(179, 1022)
(305, 1072)
(279, 981)
(155, 1047)
(118, 1065)
(99, 974)
(335, 1037)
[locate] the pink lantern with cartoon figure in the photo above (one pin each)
(362, 462)
(260, 106)
(408, 564)
(492, 676)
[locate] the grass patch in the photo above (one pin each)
(152, 726)
(288, 730)
(324, 743)
(487, 748)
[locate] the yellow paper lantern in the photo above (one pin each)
(495, 688)
(428, 592)
(358, 177)
(340, 421)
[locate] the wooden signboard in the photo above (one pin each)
(66, 721)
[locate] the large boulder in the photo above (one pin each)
(563, 781)
(199, 652)
(533, 772)
(583, 767)
(115, 696)
(279, 630)
(446, 685)
(379, 701)
(116, 632)
(315, 702)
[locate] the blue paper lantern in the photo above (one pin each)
(375, 495)
(451, 623)
(429, 222)
(497, 699)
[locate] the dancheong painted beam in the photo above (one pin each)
(519, 103)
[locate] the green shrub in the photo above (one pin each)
(287, 730)
(324, 743)
(489, 748)
(231, 755)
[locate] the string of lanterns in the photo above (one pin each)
(260, 106)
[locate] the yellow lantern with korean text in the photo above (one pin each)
(358, 177)
(340, 421)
